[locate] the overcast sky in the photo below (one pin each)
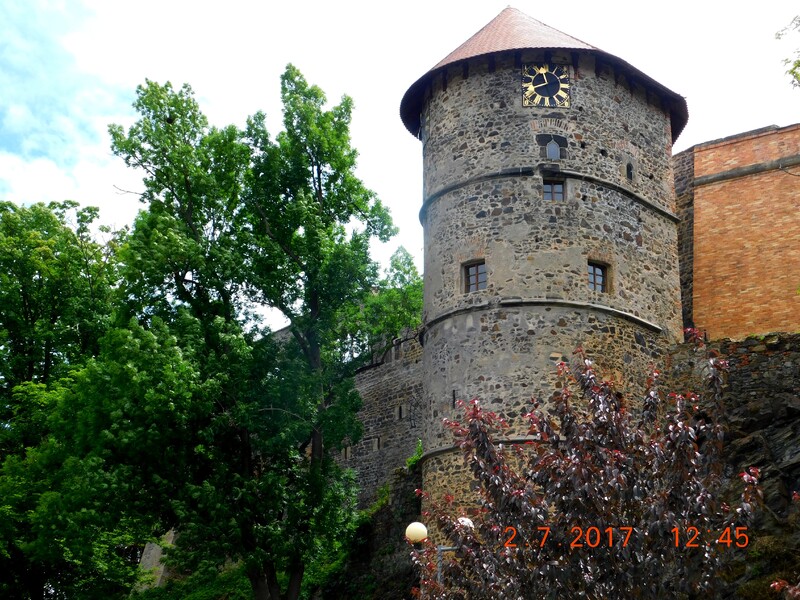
(68, 68)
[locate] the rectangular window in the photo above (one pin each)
(475, 277)
(347, 452)
(598, 277)
(553, 190)
(376, 443)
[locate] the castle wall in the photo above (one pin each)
(683, 164)
(391, 392)
(746, 242)
(762, 402)
(507, 355)
(536, 248)
(476, 126)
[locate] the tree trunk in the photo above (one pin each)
(260, 586)
(315, 364)
(295, 579)
(34, 581)
(264, 583)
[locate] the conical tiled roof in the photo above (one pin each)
(513, 30)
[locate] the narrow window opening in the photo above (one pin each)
(475, 277)
(598, 277)
(553, 190)
(347, 452)
(376, 443)
(553, 150)
(629, 171)
(552, 146)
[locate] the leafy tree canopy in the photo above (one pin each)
(237, 455)
(140, 389)
(56, 300)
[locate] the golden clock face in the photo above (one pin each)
(545, 85)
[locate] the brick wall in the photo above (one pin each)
(746, 243)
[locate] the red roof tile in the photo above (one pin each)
(512, 30)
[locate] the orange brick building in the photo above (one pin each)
(739, 203)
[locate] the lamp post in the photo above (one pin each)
(417, 532)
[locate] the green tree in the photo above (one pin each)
(236, 222)
(393, 309)
(56, 286)
(312, 220)
(55, 294)
(141, 392)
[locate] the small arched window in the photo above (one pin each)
(553, 150)
(629, 172)
(552, 146)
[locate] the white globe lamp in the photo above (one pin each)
(416, 532)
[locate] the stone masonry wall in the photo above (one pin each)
(391, 392)
(683, 164)
(484, 170)
(507, 355)
(747, 233)
(762, 399)
(536, 248)
(476, 125)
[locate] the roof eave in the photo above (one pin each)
(675, 104)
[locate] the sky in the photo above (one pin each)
(69, 68)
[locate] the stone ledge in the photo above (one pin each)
(454, 448)
(523, 302)
(545, 170)
(772, 165)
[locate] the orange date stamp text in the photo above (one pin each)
(609, 537)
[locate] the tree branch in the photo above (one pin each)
(271, 235)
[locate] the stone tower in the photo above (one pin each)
(549, 221)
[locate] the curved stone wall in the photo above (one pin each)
(505, 355)
(476, 125)
(536, 248)
(485, 164)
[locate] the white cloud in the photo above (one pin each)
(18, 118)
(36, 180)
(89, 181)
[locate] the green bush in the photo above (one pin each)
(416, 457)
(231, 584)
